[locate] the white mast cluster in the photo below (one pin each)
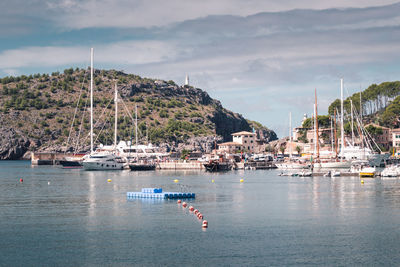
(91, 100)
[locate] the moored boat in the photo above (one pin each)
(216, 166)
(102, 161)
(137, 166)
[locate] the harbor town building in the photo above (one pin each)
(242, 141)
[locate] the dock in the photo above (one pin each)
(159, 194)
(179, 165)
(47, 158)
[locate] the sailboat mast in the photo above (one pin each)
(331, 133)
(361, 115)
(290, 134)
(116, 115)
(136, 133)
(91, 100)
(334, 123)
(352, 124)
(341, 120)
(315, 132)
(316, 123)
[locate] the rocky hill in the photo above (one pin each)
(50, 113)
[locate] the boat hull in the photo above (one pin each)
(217, 166)
(367, 174)
(333, 165)
(71, 164)
(290, 166)
(102, 166)
(142, 167)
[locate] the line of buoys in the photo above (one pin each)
(197, 213)
(21, 180)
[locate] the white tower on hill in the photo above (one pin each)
(187, 80)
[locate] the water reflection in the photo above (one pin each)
(81, 219)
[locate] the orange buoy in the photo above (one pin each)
(21, 180)
(196, 211)
(200, 216)
(191, 208)
(205, 224)
(179, 201)
(184, 204)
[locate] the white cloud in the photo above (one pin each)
(119, 54)
(77, 14)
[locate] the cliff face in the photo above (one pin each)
(50, 113)
(227, 122)
(12, 145)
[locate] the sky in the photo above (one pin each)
(260, 58)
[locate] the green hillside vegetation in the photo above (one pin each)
(42, 107)
(375, 102)
(374, 98)
(323, 122)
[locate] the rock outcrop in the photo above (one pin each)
(12, 144)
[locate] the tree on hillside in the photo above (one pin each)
(298, 150)
(390, 117)
(323, 122)
(373, 99)
(282, 148)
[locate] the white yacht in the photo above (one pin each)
(293, 165)
(391, 171)
(333, 165)
(102, 161)
(128, 151)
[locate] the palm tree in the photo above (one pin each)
(298, 149)
(282, 148)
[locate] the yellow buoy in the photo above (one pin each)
(362, 181)
(212, 181)
(241, 180)
(109, 180)
(176, 180)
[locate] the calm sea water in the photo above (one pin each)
(80, 219)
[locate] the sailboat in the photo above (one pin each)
(292, 164)
(101, 160)
(144, 164)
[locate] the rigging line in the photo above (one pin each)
(87, 137)
(80, 127)
(369, 136)
(76, 108)
(104, 124)
(130, 116)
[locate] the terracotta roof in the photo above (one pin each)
(230, 144)
(242, 133)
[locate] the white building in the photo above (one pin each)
(396, 141)
(230, 147)
(246, 139)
